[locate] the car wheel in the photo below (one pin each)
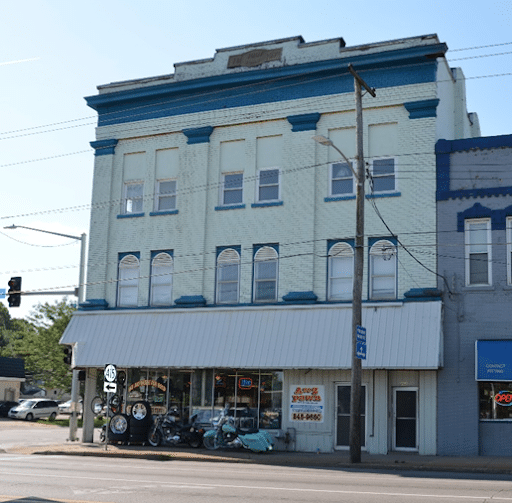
(29, 417)
(52, 417)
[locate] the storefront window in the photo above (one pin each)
(495, 400)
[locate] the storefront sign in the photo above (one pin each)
(307, 403)
(494, 360)
(503, 398)
(254, 58)
(147, 382)
(245, 383)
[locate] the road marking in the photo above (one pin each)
(35, 499)
(180, 485)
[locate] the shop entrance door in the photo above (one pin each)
(405, 419)
(343, 416)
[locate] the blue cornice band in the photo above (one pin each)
(305, 122)
(422, 109)
(104, 147)
(498, 217)
(198, 135)
(386, 69)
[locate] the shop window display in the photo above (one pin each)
(495, 400)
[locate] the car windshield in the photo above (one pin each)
(27, 404)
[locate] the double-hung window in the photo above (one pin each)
(383, 175)
(342, 180)
(161, 279)
(383, 280)
(265, 274)
(228, 276)
(128, 281)
(478, 251)
(165, 197)
(341, 271)
(232, 189)
(268, 185)
(133, 197)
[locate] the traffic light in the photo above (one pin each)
(68, 355)
(14, 292)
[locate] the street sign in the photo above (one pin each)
(109, 387)
(361, 342)
(110, 373)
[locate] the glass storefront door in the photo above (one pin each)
(405, 419)
(343, 416)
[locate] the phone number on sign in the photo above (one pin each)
(303, 416)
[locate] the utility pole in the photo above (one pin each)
(355, 384)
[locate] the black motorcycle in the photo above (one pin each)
(166, 430)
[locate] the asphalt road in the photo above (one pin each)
(63, 478)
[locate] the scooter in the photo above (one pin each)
(227, 435)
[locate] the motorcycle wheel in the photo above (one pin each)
(154, 438)
(210, 443)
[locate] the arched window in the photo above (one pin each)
(383, 270)
(128, 281)
(341, 272)
(228, 276)
(265, 275)
(161, 279)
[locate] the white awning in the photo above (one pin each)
(399, 336)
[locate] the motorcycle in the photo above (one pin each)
(167, 431)
(227, 435)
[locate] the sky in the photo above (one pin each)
(53, 53)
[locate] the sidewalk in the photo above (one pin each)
(340, 459)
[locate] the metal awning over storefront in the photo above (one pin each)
(399, 336)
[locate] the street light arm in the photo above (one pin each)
(322, 140)
(47, 232)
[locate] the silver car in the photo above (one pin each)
(36, 408)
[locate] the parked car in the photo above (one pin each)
(6, 406)
(65, 407)
(36, 408)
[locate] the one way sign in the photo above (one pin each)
(109, 387)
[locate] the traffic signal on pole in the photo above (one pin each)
(68, 354)
(14, 292)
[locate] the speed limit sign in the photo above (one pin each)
(110, 373)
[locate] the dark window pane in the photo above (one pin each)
(478, 269)
(342, 187)
(384, 183)
(383, 167)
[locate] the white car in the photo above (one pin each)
(65, 408)
(36, 408)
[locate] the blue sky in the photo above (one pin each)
(53, 53)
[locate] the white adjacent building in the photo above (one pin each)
(222, 238)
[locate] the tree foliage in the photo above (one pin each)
(38, 344)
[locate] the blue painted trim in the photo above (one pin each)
(237, 248)
(338, 198)
(93, 305)
(300, 298)
(157, 252)
(198, 135)
(414, 65)
(130, 215)
(332, 242)
(255, 248)
(168, 212)
(444, 149)
(422, 294)
(304, 122)
(232, 207)
(122, 255)
(191, 301)
(422, 109)
(372, 241)
(384, 194)
(263, 205)
(104, 147)
(498, 217)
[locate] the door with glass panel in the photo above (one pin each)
(405, 419)
(343, 416)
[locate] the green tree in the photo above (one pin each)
(40, 348)
(11, 331)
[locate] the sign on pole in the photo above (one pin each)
(110, 373)
(361, 342)
(109, 387)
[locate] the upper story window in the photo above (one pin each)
(162, 269)
(228, 276)
(133, 197)
(340, 272)
(268, 185)
(509, 250)
(165, 196)
(383, 280)
(265, 274)
(128, 281)
(383, 175)
(478, 251)
(232, 188)
(342, 180)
